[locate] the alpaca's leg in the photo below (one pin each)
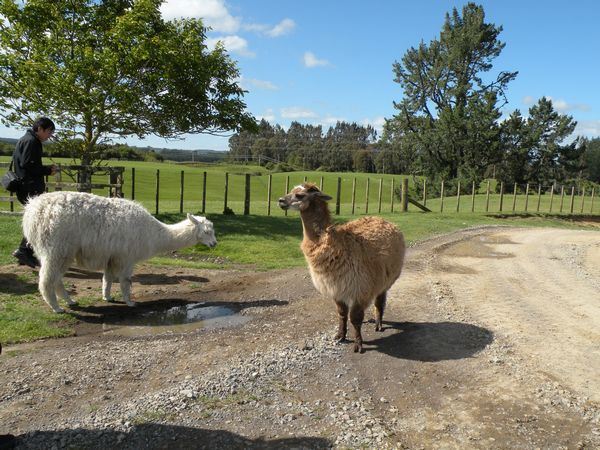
(357, 314)
(125, 283)
(60, 286)
(106, 285)
(342, 309)
(62, 292)
(47, 285)
(379, 309)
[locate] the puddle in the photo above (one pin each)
(178, 319)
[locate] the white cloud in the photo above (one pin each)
(310, 60)
(588, 128)
(213, 12)
(559, 105)
(296, 112)
(233, 44)
(269, 116)
(330, 120)
(282, 28)
(262, 84)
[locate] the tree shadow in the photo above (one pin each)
(10, 283)
(159, 436)
(432, 342)
(141, 278)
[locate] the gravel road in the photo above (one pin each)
(490, 341)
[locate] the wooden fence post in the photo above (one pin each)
(287, 189)
(458, 197)
(582, 198)
(404, 194)
(226, 191)
(562, 197)
(551, 196)
(487, 196)
(247, 196)
(321, 184)
(392, 197)
(473, 197)
(204, 193)
(157, 187)
(501, 195)
(367, 201)
(379, 196)
(133, 183)
(572, 199)
(269, 194)
(526, 196)
(442, 197)
(181, 193)
(338, 196)
(58, 179)
(424, 191)
(539, 198)
(353, 193)
(514, 198)
(592, 201)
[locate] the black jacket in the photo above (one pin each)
(27, 159)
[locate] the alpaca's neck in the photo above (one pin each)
(176, 236)
(315, 221)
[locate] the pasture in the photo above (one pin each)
(480, 336)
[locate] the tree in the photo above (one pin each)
(446, 118)
(114, 68)
(592, 159)
(548, 158)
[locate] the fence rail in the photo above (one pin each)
(257, 194)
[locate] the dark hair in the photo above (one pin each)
(43, 122)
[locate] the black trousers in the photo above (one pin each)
(23, 197)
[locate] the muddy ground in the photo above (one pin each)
(491, 340)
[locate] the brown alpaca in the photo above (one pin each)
(354, 263)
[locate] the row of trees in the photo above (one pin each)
(343, 147)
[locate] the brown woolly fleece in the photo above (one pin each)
(354, 263)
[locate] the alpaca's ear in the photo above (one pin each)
(192, 219)
(325, 196)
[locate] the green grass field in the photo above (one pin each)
(380, 198)
(257, 241)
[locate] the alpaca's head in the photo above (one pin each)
(301, 197)
(205, 233)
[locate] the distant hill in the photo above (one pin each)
(179, 155)
(11, 141)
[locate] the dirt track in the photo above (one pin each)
(491, 341)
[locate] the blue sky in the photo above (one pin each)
(321, 61)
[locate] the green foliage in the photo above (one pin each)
(592, 159)
(114, 68)
(344, 147)
(447, 120)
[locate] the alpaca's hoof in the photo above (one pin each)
(58, 310)
(358, 348)
(340, 339)
(72, 303)
(109, 300)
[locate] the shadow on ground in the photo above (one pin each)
(158, 436)
(123, 315)
(141, 278)
(431, 342)
(11, 283)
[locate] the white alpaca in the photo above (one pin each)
(99, 233)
